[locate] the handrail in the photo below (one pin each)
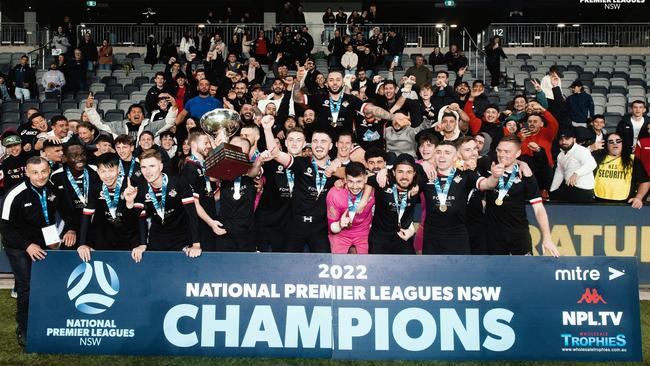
(415, 35)
(572, 34)
(476, 51)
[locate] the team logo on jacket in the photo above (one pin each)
(87, 298)
(172, 193)
(280, 168)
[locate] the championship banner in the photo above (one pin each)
(599, 230)
(337, 306)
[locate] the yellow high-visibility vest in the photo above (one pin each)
(613, 182)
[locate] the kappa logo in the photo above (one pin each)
(591, 296)
(79, 281)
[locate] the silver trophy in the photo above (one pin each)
(226, 161)
(221, 122)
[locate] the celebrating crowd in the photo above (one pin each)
(341, 159)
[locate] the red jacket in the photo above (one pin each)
(544, 138)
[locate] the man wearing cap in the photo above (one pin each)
(28, 228)
(13, 166)
(574, 179)
(490, 121)
(392, 227)
(580, 104)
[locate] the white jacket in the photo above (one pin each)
(120, 127)
(349, 60)
(185, 45)
(577, 160)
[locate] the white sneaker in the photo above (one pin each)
(496, 89)
(14, 294)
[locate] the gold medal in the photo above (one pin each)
(443, 208)
(498, 202)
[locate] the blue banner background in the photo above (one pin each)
(148, 290)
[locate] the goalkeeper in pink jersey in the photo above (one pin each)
(349, 214)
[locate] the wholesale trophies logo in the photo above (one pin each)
(91, 302)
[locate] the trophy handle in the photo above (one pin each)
(218, 138)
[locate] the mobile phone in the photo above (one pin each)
(396, 59)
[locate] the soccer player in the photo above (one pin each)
(107, 223)
(468, 153)
(313, 179)
(392, 224)
(274, 209)
(169, 202)
(446, 198)
(349, 230)
(28, 228)
(333, 110)
(129, 166)
(74, 181)
(203, 189)
(237, 205)
(505, 209)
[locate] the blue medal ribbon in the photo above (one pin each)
(444, 192)
(43, 199)
(505, 187)
(352, 207)
(159, 206)
(130, 168)
(321, 178)
(290, 180)
(112, 203)
(335, 107)
(400, 202)
(86, 182)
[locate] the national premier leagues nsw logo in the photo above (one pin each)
(87, 297)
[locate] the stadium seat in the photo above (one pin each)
(120, 96)
(97, 87)
(12, 105)
(109, 80)
(73, 114)
(612, 120)
(114, 88)
(30, 103)
(49, 105)
(130, 88)
(114, 115)
(10, 117)
(69, 104)
(102, 95)
(108, 104)
(615, 110)
(82, 95)
(50, 114)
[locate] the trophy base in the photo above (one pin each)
(226, 162)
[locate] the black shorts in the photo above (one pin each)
(389, 243)
(271, 239)
(302, 232)
(509, 243)
(451, 244)
(477, 239)
(239, 237)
